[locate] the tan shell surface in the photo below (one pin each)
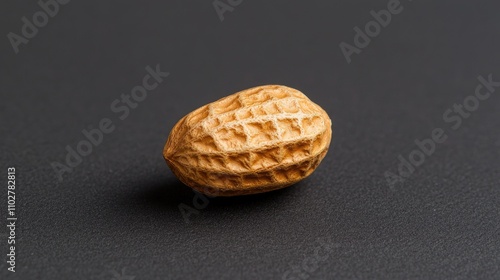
(253, 141)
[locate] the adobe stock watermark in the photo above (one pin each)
(223, 6)
(49, 9)
(454, 117)
(310, 264)
(122, 107)
(200, 201)
(372, 29)
(118, 276)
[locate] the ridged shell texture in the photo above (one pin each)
(253, 141)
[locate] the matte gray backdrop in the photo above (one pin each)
(116, 215)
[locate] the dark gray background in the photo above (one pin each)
(119, 208)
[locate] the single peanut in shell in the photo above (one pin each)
(257, 140)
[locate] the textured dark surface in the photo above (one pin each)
(117, 214)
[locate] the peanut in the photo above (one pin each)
(257, 140)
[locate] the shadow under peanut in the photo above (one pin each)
(168, 194)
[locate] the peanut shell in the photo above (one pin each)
(257, 140)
